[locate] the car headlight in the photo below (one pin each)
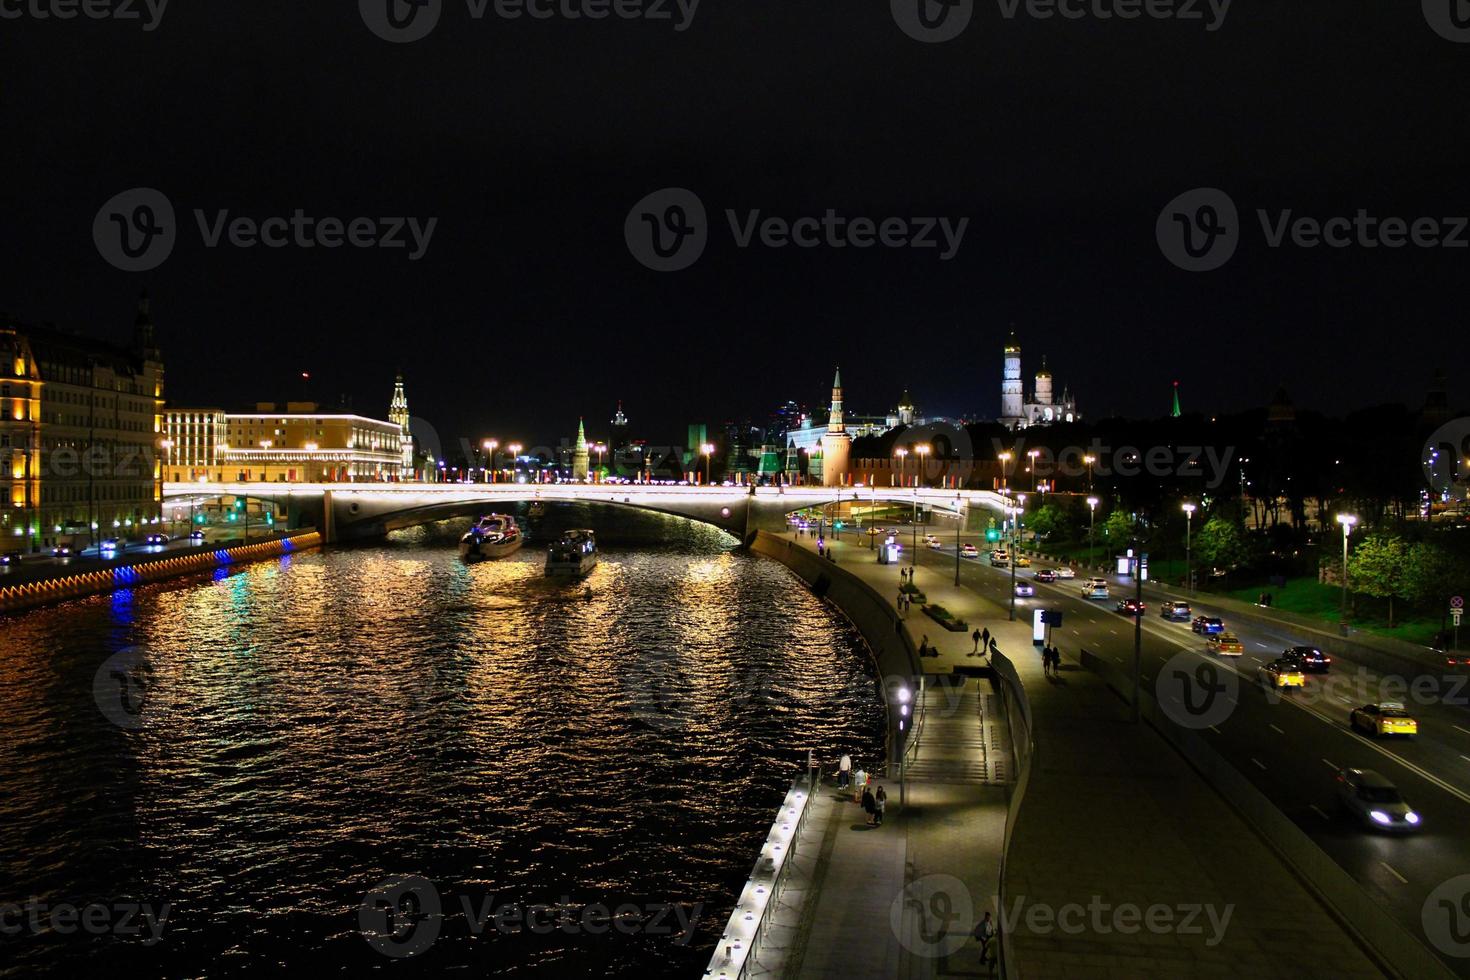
(1379, 816)
(1411, 817)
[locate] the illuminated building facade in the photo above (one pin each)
(1043, 407)
(80, 423)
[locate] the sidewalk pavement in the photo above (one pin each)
(1112, 818)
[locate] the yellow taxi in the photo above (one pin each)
(1224, 644)
(1022, 561)
(1388, 718)
(1282, 674)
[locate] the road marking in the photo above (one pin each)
(1390, 870)
(1259, 763)
(1277, 730)
(1317, 811)
(1117, 658)
(1459, 729)
(1216, 730)
(1331, 765)
(1257, 659)
(1342, 699)
(1263, 646)
(1466, 757)
(1114, 632)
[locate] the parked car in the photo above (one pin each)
(1375, 801)
(1179, 611)
(1310, 659)
(1388, 718)
(1207, 624)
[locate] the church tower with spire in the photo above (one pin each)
(398, 415)
(1012, 395)
(580, 454)
(836, 442)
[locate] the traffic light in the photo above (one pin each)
(992, 534)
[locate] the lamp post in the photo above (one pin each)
(923, 454)
(902, 453)
(1005, 459)
(1031, 466)
(1015, 513)
(1092, 503)
(601, 448)
(959, 512)
(515, 454)
(1089, 460)
(707, 449)
(490, 445)
(1188, 558)
(1347, 521)
(916, 523)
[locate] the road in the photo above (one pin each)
(1289, 746)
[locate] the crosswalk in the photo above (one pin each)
(963, 739)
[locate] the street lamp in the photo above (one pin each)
(1089, 460)
(1015, 513)
(1092, 503)
(959, 513)
(601, 448)
(1005, 459)
(1031, 466)
(1188, 562)
(923, 453)
(901, 453)
(707, 448)
(490, 445)
(1347, 521)
(514, 449)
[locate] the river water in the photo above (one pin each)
(559, 782)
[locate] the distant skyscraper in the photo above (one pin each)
(619, 429)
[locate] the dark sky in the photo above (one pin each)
(1061, 141)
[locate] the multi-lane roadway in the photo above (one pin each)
(1290, 745)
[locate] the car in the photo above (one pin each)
(1025, 589)
(157, 539)
(970, 551)
(1045, 575)
(1176, 610)
(1281, 674)
(110, 544)
(932, 540)
(1387, 718)
(63, 551)
(1375, 801)
(1022, 561)
(196, 537)
(1095, 588)
(1224, 645)
(1064, 571)
(12, 558)
(935, 545)
(1207, 625)
(1309, 659)
(1131, 607)
(999, 559)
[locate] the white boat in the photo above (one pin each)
(573, 555)
(493, 536)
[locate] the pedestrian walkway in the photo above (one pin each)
(1112, 818)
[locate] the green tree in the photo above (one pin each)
(1379, 568)
(1221, 543)
(1051, 522)
(1119, 528)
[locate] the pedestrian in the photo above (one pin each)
(844, 771)
(985, 638)
(976, 637)
(993, 648)
(870, 805)
(985, 935)
(880, 803)
(1056, 660)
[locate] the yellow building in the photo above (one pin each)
(291, 443)
(80, 423)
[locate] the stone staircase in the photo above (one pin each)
(963, 739)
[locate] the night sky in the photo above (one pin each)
(529, 141)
